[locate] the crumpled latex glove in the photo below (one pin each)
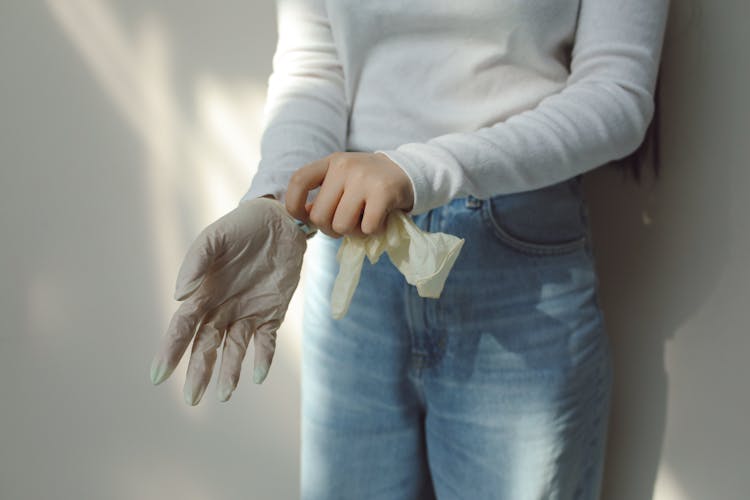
(425, 259)
(235, 283)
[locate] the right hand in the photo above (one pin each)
(235, 282)
(357, 192)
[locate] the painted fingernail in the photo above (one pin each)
(259, 374)
(158, 371)
(225, 391)
(192, 395)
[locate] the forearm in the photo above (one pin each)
(601, 115)
(305, 116)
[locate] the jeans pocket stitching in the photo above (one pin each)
(524, 246)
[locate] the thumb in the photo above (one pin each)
(195, 265)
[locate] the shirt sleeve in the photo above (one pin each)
(600, 115)
(305, 117)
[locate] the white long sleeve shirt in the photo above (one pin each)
(474, 97)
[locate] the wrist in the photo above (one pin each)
(308, 229)
(405, 189)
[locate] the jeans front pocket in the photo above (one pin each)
(547, 221)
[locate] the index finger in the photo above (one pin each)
(301, 183)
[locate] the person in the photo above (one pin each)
(477, 119)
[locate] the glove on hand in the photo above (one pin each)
(235, 282)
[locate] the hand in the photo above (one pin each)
(235, 282)
(357, 192)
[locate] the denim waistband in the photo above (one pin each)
(571, 188)
(551, 220)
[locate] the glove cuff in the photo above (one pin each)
(308, 229)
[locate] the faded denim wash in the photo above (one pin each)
(499, 389)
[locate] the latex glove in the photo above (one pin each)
(235, 282)
(424, 258)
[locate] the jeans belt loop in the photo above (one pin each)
(473, 202)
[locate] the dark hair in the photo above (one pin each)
(648, 150)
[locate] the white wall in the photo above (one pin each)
(125, 127)
(676, 290)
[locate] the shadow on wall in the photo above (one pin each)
(194, 163)
(136, 124)
(659, 263)
(76, 434)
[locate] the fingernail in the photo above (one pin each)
(225, 392)
(158, 371)
(192, 395)
(259, 374)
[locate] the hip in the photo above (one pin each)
(526, 251)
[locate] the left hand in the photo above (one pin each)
(357, 192)
(235, 284)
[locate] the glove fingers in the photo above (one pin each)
(202, 360)
(176, 339)
(265, 347)
(196, 263)
(232, 355)
(351, 255)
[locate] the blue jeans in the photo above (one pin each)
(499, 389)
